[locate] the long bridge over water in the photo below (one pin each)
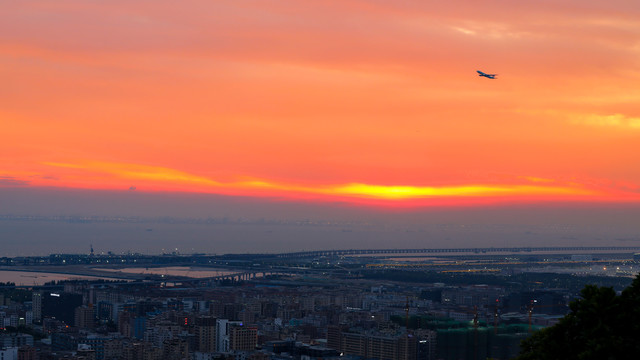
(546, 249)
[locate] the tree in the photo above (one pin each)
(600, 325)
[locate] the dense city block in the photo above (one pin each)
(329, 306)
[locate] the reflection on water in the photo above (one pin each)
(25, 278)
(192, 272)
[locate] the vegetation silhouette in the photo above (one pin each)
(600, 325)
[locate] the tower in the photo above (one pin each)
(36, 306)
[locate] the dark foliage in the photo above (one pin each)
(16, 294)
(601, 325)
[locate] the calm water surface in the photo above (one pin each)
(193, 272)
(25, 278)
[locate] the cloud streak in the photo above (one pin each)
(161, 178)
(12, 181)
(614, 120)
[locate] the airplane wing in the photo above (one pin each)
(490, 76)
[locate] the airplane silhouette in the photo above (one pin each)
(489, 76)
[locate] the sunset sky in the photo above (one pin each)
(374, 103)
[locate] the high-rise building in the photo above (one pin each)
(243, 338)
(334, 339)
(141, 351)
(36, 306)
(105, 311)
(206, 334)
(175, 349)
(353, 344)
(27, 353)
(223, 330)
(85, 352)
(402, 347)
(15, 340)
(125, 321)
(112, 348)
(85, 317)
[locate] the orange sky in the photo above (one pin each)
(360, 101)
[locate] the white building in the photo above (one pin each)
(222, 331)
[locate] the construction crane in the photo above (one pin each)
(496, 317)
(475, 330)
(406, 314)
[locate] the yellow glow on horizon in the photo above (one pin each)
(166, 178)
(414, 192)
(614, 120)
